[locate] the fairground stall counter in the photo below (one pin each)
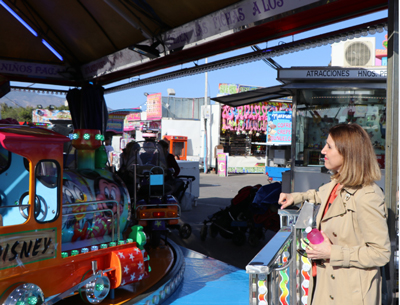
(256, 131)
(322, 98)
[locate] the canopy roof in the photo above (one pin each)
(94, 39)
(253, 96)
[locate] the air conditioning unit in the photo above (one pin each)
(358, 52)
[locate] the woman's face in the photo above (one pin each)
(333, 160)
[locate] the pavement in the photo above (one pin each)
(216, 193)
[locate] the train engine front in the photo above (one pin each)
(68, 225)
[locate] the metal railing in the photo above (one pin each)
(277, 275)
(87, 203)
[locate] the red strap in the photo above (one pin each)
(332, 197)
(314, 268)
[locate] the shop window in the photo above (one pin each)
(47, 204)
(319, 110)
(14, 188)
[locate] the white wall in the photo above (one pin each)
(116, 143)
(214, 136)
(186, 128)
(139, 135)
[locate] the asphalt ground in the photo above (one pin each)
(216, 194)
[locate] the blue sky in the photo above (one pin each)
(252, 74)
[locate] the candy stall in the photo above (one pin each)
(255, 136)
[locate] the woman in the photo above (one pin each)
(352, 219)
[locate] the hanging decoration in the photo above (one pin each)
(250, 118)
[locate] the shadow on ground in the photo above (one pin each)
(216, 194)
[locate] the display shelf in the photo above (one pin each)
(236, 145)
(258, 143)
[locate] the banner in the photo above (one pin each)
(247, 170)
(154, 107)
(279, 131)
(223, 165)
(226, 89)
(115, 123)
(131, 121)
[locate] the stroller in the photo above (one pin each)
(154, 193)
(253, 210)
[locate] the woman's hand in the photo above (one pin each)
(285, 200)
(320, 251)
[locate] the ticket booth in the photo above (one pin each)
(177, 146)
(324, 97)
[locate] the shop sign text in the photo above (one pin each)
(235, 16)
(43, 70)
(347, 73)
(333, 73)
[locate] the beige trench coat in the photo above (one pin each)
(356, 225)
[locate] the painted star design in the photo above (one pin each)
(123, 283)
(126, 269)
(137, 250)
(140, 265)
(158, 223)
(121, 255)
(140, 277)
(131, 256)
(133, 276)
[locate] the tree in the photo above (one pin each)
(62, 107)
(21, 114)
(18, 113)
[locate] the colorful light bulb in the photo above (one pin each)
(99, 287)
(32, 300)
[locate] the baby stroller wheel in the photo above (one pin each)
(203, 232)
(185, 231)
(239, 238)
(213, 230)
(253, 239)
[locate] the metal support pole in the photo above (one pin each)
(293, 147)
(205, 121)
(392, 140)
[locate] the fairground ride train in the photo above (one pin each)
(64, 231)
